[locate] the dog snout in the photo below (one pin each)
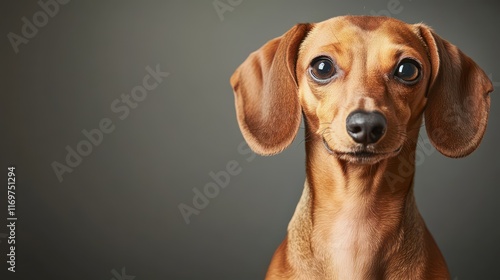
(366, 127)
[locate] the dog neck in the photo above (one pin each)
(357, 221)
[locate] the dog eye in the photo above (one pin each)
(408, 71)
(322, 69)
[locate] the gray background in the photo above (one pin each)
(119, 207)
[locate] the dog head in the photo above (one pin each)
(363, 84)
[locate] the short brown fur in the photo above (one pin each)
(357, 217)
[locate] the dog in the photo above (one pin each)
(363, 85)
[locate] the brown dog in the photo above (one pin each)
(362, 84)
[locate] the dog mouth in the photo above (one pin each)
(362, 155)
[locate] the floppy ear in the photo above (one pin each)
(266, 93)
(458, 98)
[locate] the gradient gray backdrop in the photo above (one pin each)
(119, 207)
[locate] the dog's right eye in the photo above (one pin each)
(322, 69)
(408, 71)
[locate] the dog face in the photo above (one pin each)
(363, 84)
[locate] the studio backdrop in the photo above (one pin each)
(119, 128)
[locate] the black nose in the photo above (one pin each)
(366, 127)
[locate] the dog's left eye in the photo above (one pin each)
(408, 71)
(322, 69)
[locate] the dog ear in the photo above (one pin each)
(458, 100)
(266, 93)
